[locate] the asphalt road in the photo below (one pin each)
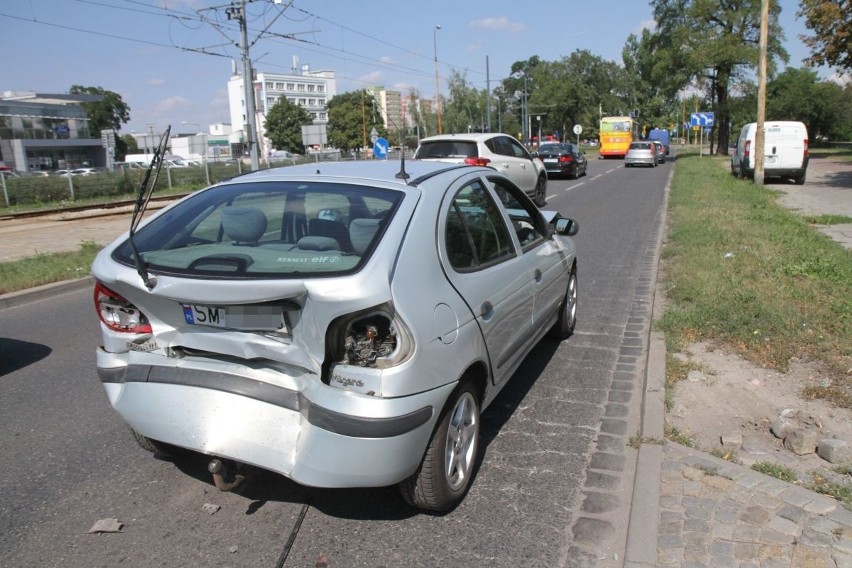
(554, 475)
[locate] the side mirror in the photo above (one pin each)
(567, 227)
(533, 154)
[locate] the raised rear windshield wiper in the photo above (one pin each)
(143, 196)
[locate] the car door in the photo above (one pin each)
(512, 160)
(546, 257)
(482, 262)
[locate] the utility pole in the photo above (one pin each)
(759, 137)
(248, 85)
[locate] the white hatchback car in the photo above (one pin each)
(498, 151)
(342, 324)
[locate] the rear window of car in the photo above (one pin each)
(640, 146)
(438, 149)
(266, 230)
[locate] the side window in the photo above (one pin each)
(526, 220)
(476, 235)
(517, 150)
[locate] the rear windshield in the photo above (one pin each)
(266, 230)
(446, 149)
(640, 145)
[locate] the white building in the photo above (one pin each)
(310, 90)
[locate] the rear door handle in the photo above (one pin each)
(486, 309)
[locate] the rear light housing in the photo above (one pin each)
(566, 159)
(373, 338)
(117, 313)
(747, 149)
(806, 147)
(477, 161)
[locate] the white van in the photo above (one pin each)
(785, 151)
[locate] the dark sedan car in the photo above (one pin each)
(563, 159)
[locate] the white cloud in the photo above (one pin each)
(840, 79)
(501, 24)
(374, 78)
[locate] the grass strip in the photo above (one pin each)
(741, 270)
(47, 268)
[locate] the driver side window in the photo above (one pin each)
(527, 223)
(475, 234)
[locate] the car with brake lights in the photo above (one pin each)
(641, 154)
(563, 158)
(342, 324)
(495, 150)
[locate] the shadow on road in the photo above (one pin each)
(16, 354)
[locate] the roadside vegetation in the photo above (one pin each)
(743, 271)
(47, 268)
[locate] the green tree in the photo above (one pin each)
(351, 118)
(110, 112)
(575, 90)
(715, 42)
(831, 24)
(283, 125)
(465, 106)
(797, 94)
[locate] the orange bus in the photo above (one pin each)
(616, 134)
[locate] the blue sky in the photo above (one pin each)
(140, 48)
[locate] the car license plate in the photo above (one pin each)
(255, 318)
(551, 161)
(769, 160)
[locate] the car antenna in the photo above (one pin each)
(143, 196)
(402, 174)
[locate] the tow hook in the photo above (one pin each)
(220, 471)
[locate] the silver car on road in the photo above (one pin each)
(342, 324)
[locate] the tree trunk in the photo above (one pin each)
(723, 115)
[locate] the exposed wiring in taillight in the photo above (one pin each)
(117, 313)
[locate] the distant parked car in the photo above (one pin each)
(563, 159)
(498, 151)
(62, 173)
(84, 171)
(343, 325)
(641, 154)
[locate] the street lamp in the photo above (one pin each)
(204, 149)
(437, 83)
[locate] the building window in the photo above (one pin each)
(270, 101)
(312, 102)
(311, 88)
(322, 115)
(321, 102)
(291, 86)
(302, 102)
(269, 86)
(300, 87)
(292, 100)
(279, 86)
(320, 88)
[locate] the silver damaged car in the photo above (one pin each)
(342, 324)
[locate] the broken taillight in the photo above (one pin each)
(117, 313)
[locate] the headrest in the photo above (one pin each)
(244, 224)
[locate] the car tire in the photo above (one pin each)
(444, 475)
(157, 447)
(567, 321)
(800, 179)
(541, 191)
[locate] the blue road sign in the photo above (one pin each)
(702, 119)
(381, 148)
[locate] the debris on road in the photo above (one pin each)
(210, 508)
(106, 526)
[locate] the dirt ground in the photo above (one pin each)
(730, 396)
